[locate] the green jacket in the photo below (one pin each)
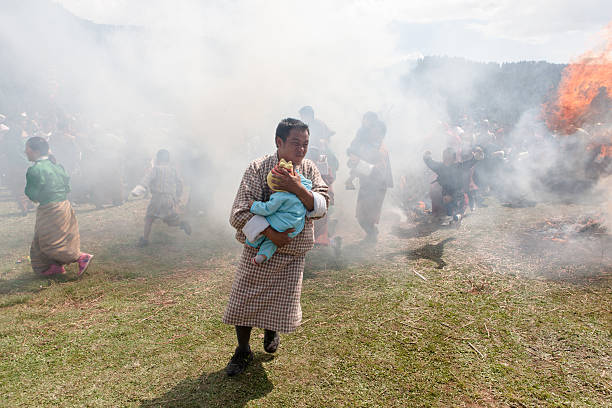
(47, 182)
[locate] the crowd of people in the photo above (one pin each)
(281, 210)
(476, 157)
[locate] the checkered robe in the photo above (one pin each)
(268, 295)
(166, 190)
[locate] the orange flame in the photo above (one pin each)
(581, 82)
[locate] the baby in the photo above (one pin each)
(283, 211)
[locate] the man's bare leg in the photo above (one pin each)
(147, 227)
(144, 241)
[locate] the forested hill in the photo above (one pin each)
(498, 92)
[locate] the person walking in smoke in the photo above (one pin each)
(56, 233)
(326, 161)
(267, 295)
(369, 161)
(166, 190)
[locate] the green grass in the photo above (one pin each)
(143, 327)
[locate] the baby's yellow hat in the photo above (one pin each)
(285, 165)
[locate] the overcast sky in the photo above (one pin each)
(484, 30)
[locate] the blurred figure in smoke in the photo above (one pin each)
(195, 171)
(320, 153)
(369, 161)
(63, 145)
(166, 190)
(452, 177)
(268, 295)
(14, 164)
(56, 234)
(102, 169)
(487, 174)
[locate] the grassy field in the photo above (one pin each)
(492, 314)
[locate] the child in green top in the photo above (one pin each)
(56, 234)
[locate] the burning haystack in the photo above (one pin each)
(581, 116)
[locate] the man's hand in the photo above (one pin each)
(285, 180)
(353, 161)
(280, 239)
(291, 182)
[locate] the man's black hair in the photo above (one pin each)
(163, 156)
(286, 125)
(39, 145)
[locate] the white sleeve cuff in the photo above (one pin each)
(139, 190)
(253, 229)
(320, 206)
(363, 168)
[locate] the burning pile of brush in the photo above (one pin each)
(583, 99)
(580, 114)
(564, 229)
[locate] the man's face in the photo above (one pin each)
(31, 154)
(295, 147)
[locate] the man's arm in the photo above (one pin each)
(432, 164)
(249, 190)
(292, 183)
(468, 164)
(144, 185)
(280, 239)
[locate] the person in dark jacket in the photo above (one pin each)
(452, 177)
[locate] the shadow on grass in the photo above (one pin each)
(322, 259)
(420, 230)
(432, 252)
(31, 283)
(217, 390)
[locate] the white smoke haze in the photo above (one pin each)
(226, 72)
(215, 78)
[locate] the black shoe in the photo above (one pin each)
(239, 362)
(271, 341)
(142, 243)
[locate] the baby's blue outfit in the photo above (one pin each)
(283, 211)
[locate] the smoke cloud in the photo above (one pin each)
(214, 78)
